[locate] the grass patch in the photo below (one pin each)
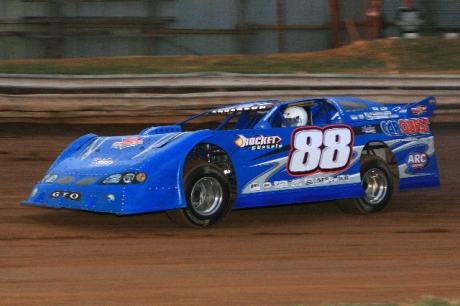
(429, 301)
(385, 56)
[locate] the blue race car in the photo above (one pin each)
(252, 154)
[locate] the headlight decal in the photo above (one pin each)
(125, 178)
(50, 178)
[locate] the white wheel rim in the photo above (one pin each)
(206, 196)
(375, 184)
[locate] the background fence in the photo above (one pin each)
(94, 28)
(168, 99)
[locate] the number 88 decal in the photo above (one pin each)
(315, 149)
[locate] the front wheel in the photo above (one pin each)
(207, 193)
(377, 181)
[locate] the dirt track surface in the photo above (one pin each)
(302, 254)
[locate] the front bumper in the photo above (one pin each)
(116, 199)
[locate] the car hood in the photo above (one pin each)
(120, 153)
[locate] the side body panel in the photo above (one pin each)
(268, 173)
(276, 166)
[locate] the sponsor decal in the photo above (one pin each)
(127, 142)
(414, 126)
(267, 185)
(391, 128)
(241, 108)
(357, 117)
(281, 184)
(259, 142)
(418, 110)
(335, 116)
(408, 139)
(406, 126)
(296, 183)
(417, 160)
(319, 180)
(368, 129)
(300, 182)
(102, 162)
(68, 195)
(380, 115)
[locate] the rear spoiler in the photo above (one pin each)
(423, 108)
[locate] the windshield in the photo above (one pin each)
(350, 106)
(224, 121)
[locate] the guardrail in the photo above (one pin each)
(197, 82)
(163, 99)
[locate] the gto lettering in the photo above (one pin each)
(69, 195)
(315, 149)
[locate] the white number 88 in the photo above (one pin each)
(315, 149)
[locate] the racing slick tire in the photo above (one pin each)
(207, 192)
(377, 181)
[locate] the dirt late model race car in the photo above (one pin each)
(251, 154)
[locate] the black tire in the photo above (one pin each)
(377, 181)
(207, 192)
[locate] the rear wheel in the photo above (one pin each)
(377, 181)
(207, 193)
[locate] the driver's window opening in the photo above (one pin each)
(296, 114)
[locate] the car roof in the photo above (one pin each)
(343, 104)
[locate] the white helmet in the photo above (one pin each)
(295, 116)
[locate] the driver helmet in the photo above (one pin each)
(295, 116)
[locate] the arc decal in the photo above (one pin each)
(417, 160)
